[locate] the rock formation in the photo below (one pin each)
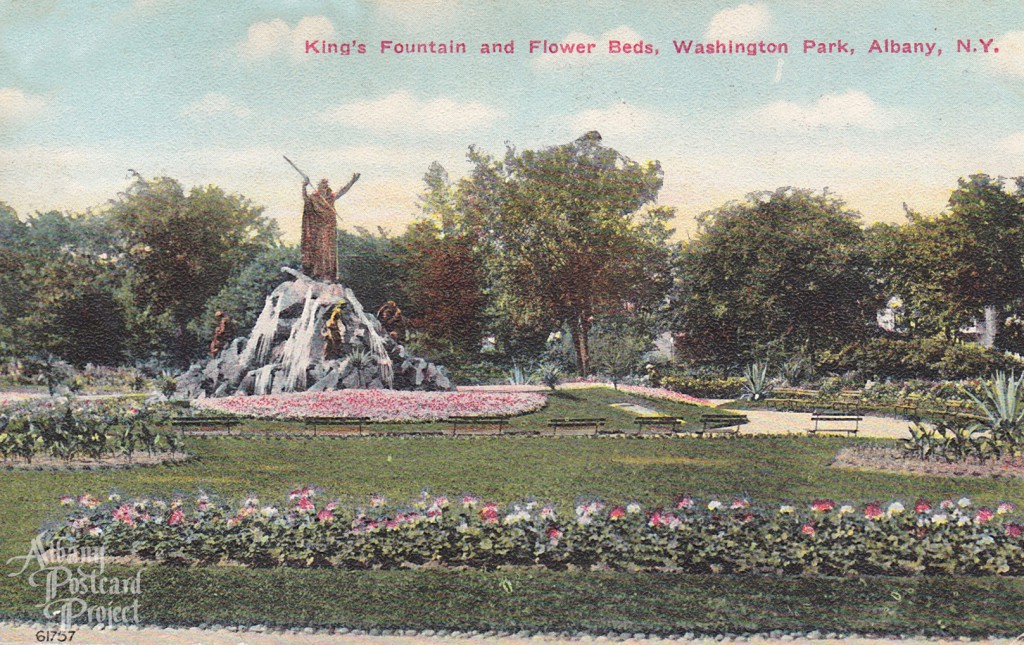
(285, 351)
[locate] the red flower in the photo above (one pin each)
(489, 514)
(984, 515)
(176, 517)
(325, 516)
(684, 503)
(922, 506)
(617, 513)
(1014, 530)
(305, 504)
(823, 505)
(808, 529)
(873, 511)
(554, 535)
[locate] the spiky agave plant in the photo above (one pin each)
(1003, 408)
(755, 381)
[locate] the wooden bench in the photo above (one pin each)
(792, 399)
(657, 424)
(478, 425)
(578, 424)
(334, 422)
(204, 423)
(724, 424)
(835, 423)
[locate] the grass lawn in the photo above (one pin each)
(651, 471)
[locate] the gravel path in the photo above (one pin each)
(770, 422)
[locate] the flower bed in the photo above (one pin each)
(379, 405)
(823, 538)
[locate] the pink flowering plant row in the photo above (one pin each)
(379, 405)
(820, 538)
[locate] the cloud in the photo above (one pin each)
(401, 111)
(1010, 58)
(852, 109)
(617, 121)
(739, 23)
(17, 106)
(215, 104)
(622, 33)
(272, 37)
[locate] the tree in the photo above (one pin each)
(781, 269)
(618, 346)
(946, 269)
(184, 247)
(372, 266)
(445, 279)
(571, 234)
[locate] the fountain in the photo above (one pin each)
(284, 351)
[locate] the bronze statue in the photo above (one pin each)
(390, 317)
(320, 230)
(333, 333)
(222, 334)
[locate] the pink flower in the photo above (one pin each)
(983, 515)
(176, 517)
(684, 503)
(823, 505)
(922, 506)
(1005, 507)
(326, 516)
(300, 493)
(1014, 530)
(469, 501)
(66, 500)
(873, 511)
(88, 501)
(489, 514)
(739, 503)
(947, 504)
(617, 513)
(808, 529)
(125, 514)
(305, 504)
(554, 535)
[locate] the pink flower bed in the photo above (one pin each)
(379, 405)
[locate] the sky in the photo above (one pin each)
(216, 92)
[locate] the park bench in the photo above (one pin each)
(577, 426)
(792, 399)
(335, 422)
(204, 424)
(657, 424)
(478, 425)
(909, 406)
(717, 423)
(834, 423)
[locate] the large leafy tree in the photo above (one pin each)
(946, 269)
(783, 270)
(571, 234)
(184, 247)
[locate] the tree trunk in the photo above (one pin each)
(580, 333)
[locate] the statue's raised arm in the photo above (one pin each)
(355, 178)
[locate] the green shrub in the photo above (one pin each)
(923, 358)
(730, 387)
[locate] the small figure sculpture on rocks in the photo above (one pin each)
(221, 334)
(333, 333)
(390, 316)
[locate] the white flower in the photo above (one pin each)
(268, 511)
(633, 508)
(963, 519)
(846, 509)
(786, 509)
(714, 505)
(964, 502)
(95, 531)
(114, 497)
(895, 508)
(519, 516)
(940, 518)
(584, 520)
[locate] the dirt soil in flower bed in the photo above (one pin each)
(892, 459)
(113, 463)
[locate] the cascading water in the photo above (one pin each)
(264, 379)
(261, 340)
(296, 354)
(385, 368)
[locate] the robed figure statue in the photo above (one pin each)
(320, 230)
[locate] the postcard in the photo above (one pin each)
(400, 322)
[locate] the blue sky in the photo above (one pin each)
(216, 92)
